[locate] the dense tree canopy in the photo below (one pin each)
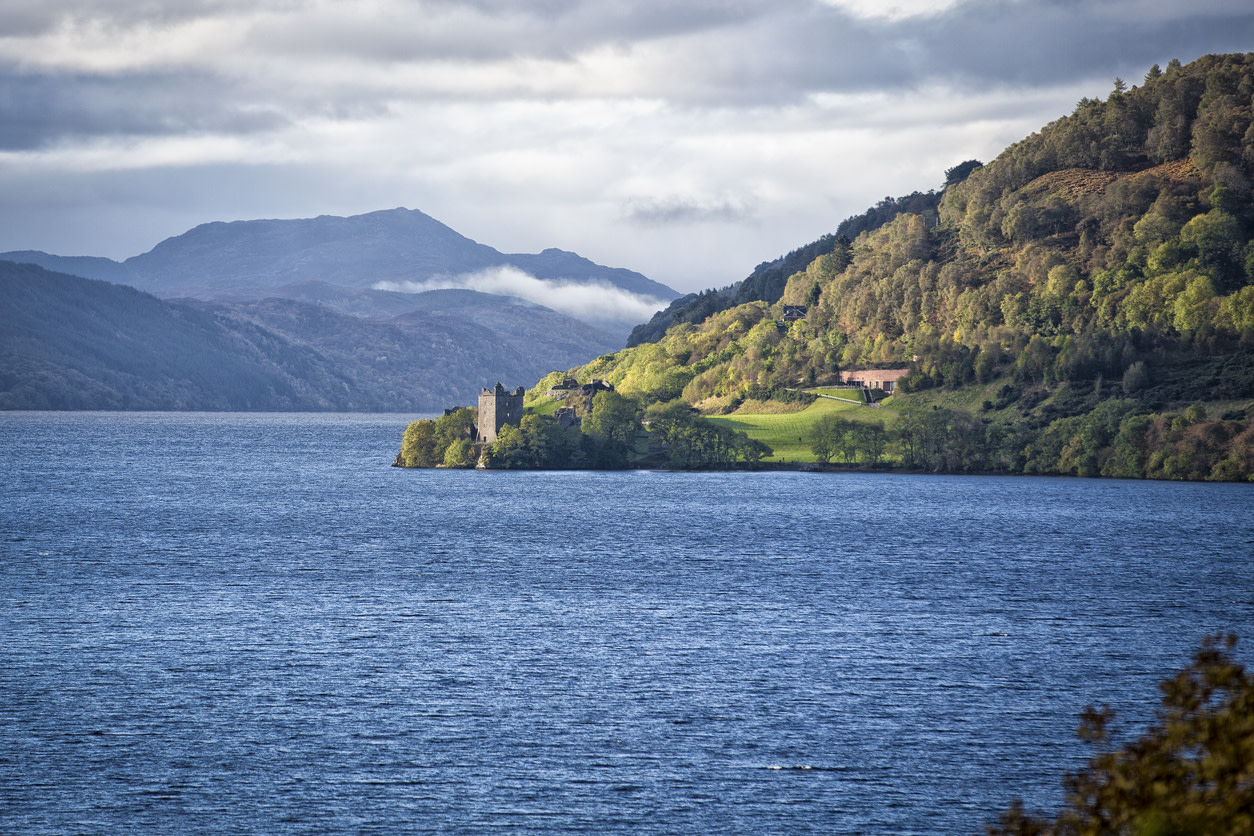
(443, 441)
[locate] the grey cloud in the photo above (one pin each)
(39, 110)
(548, 111)
(1050, 43)
(709, 53)
(800, 50)
(23, 18)
(451, 30)
(768, 43)
(772, 53)
(677, 211)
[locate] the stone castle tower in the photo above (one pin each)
(498, 408)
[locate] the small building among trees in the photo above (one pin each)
(794, 312)
(883, 379)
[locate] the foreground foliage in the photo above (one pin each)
(1190, 774)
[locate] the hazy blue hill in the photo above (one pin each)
(87, 266)
(363, 301)
(72, 343)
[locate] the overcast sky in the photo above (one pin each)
(686, 139)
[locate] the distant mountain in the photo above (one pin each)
(72, 343)
(249, 259)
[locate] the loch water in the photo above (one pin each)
(252, 624)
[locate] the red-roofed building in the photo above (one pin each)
(884, 379)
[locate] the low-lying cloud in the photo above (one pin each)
(588, 301)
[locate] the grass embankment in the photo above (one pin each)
(968, 398)
(790, 434)
(844, 393)
(544, 406)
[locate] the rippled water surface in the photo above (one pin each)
(251, 624)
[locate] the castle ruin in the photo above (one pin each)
(497, 408)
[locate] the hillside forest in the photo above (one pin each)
(1083, 304)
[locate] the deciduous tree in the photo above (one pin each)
(1190, 774)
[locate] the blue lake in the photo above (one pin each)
(251, 624)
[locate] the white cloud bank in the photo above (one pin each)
(892, 9)
(587, 301)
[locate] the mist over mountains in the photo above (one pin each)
(397, 250)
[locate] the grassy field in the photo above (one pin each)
(789, 434)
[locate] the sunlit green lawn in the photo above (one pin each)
(545, 406)
(789, 434)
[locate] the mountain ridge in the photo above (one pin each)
(359, 251)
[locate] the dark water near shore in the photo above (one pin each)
(251, 624)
